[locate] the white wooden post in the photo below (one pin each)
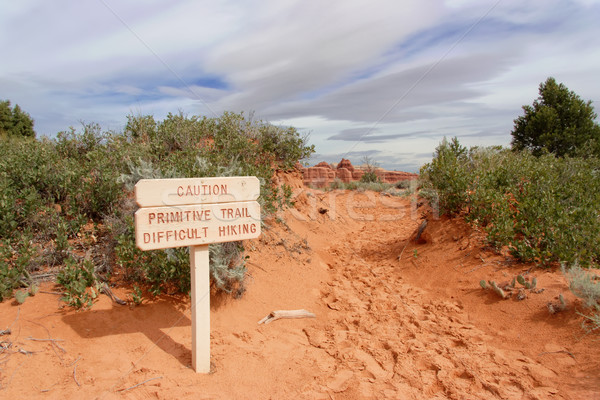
(200, 298)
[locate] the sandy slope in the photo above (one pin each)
(415, 328)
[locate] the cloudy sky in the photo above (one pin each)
(387, 79)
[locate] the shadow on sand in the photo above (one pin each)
(153, 320)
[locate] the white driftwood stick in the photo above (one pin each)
(279, 314)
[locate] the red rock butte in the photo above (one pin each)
(323, 174)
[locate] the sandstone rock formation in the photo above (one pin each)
(345, 164)
(323, 174)
(323, 164)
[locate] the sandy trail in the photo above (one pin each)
(415, 328)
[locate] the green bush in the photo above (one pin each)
(167, 269)
(179, 146)
(369, 168)
(51, 189)
(448, 173)
(15, 260)
(544, 209)
(76, 277)
(369, 177)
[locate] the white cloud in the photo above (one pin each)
(406, 73)
(303, 48)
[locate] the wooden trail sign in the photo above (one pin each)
(183, 191)
(164, 227)
(196, 212)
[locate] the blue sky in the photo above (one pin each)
(387, 79)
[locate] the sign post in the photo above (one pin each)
(200, 298)
(195, 212)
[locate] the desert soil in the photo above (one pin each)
(414, 327)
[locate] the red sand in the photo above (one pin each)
(416, 328)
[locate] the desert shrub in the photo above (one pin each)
(230, 145)
(162, 270)
(8, 203)
(49, 189)
(228, 267)
(369, 177)
(10, 276)
(76, 277)
(448, 173)
(406, 184)
(583, 284)
(285, 144)
(169, 268)
(94, 160)
(338, 184)
(256, 147)
(369, 167)
(25, 181)
(544, 209)
(15, 261)
(408, 191)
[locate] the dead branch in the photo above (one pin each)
(139, 384)
(404, 248)
(41, 277)
(75, 375)
(75, 362)
(45, 340)
(279, 314)
(53, 341)
(107, 291)
(75, 370)
(257, 266)
(49, 389)
(420, 231)
(4, 345)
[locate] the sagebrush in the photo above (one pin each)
(584, 284)
(542, 209)
(58, 194)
